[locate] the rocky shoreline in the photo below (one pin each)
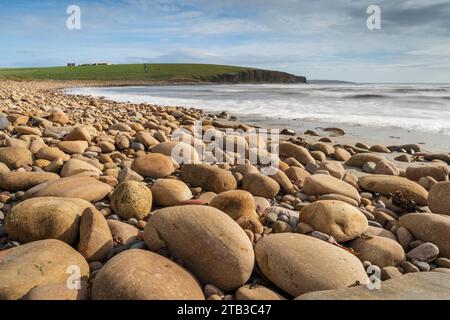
(95, 204)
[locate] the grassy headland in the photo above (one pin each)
(148, 72)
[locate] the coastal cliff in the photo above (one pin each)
(256, 76)
(152, 73)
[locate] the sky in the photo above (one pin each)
(319, 39)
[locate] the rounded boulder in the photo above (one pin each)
(153, 165)
(336, 218)
(169, 192)
(320, 184)
(389, 184)
(208, 241)
(299, 264)
(142, 275)
(36, 264)
(380, 251)
(429, 227)
(46, 218)
(260, 185)
(439, 198)
(208, 177)
(235, 203)
(132, 199)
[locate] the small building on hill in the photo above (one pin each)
(71, 64)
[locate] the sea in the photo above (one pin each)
(412, 113)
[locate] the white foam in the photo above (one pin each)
(421, 108)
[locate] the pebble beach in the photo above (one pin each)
(95, 206)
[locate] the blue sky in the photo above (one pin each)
(321, 39)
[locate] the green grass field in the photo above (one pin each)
(131, 72)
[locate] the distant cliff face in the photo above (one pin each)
(257, 76)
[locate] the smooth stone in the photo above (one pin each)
(126, 174)
(142, 275)
(390, 184)
(75, 166)
(336, 218)
(369, 167)
(288, 260)
(412, 286)
(169, 192)
(438, 172)
(132, 199)
(146, 139)
(122, 233)
(409, 267)
(36, 264)
(22, 181)
(4, 168)
(439, 198)
(390, 272)
(72, 147)
(51, 154)
(429, 227)
(380, 251)
(341, 154)
(15, 157)
(86, 188)
(78, 134)
(338, 197)
(379, 148)
(323, 147)
(321, 184)
(386, 167)
(256, 292)
(208, 241)
(359, 159)
(426, 252)
(380, 232)
(96, 241)
(260, 185)
(153, 165)
(57, 292)
(334, 168)
(297, 175)
(46, 218)
(207, 177)
(181, 152)
(443, 262)
(261, 204)
(235, 203)
(299, 153)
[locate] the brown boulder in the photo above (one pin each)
(132, 199)
(22, 181)
(260, 185)
(153, 165)
(429, 227)
(142, 275)
(209, 178)
(320, 184)
(46, 218)
(390, 184)
(208, 241)
(96, 241)
(298, 264)
(86, 188)
(15, 157)
(335, 218)
(439, 198)
(36, 264)
(169, 192)
(380, 251)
